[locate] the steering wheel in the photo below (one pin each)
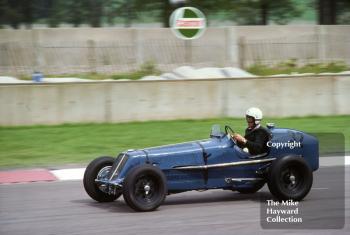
(230, 131)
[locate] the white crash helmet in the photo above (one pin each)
(255, 113)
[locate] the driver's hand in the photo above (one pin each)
(238, 138)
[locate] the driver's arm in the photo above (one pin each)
(258, 146)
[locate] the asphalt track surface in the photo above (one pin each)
(65, 208)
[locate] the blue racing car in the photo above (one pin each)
(146, 176)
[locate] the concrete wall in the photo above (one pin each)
(159, 100)
(111, 50)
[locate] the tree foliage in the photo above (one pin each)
(96, 13)
(333, 11)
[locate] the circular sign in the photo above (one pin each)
(188, 23)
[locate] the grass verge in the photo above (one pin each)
(291, 66)
(51, 145)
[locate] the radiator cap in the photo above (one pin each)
(270, 125)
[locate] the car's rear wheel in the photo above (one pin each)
(256, 187)
(98, 168)
(145, 188)
(290, 177)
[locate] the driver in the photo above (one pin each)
(256, 137)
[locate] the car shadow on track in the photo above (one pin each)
(119, 206)
(216, 197)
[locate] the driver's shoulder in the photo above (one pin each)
(260, 129)
(265, 131)
(263, 128)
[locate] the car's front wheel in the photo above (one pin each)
(145, 188)
(290, 177)
(98, 168)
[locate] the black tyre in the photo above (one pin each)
(98, 168)
(144, 188)
(290, 178)
(257, 186)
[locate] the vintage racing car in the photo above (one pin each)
(146, 176)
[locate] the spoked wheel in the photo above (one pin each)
(99, 169)
(290, 178)
(103, 174)
(144, 188)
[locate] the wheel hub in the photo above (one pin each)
(292, 179)
(147, 188)
(102, 174)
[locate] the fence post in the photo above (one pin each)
(241, 52)
(321, 37)
(231, 47)
(38, 62)
(91, 55)
(188, 51)
(138, 47)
